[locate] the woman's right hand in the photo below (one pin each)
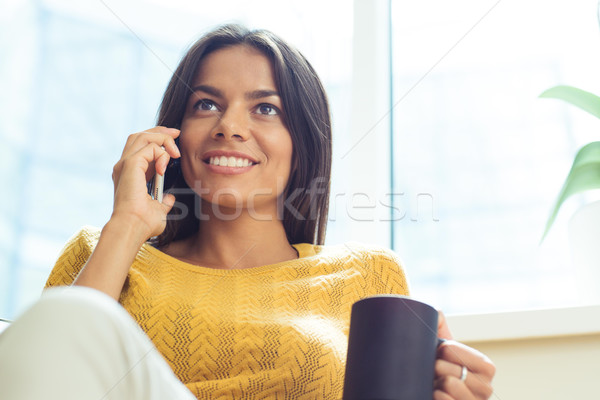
(145, 153)
(136, 216)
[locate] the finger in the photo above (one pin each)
(454, 387)
(480, 370)
(144, 160)
(440, 395)
(446, 368)
(133, 148)
(137, 142)
(461, 354)
(161, 163)
(142, 139)
(443, 328)
(475, 383)
(157, 160)
(131, 138)
(478, 385)
(169, 144)
(168, 202)
(162, 129)
(159, 135)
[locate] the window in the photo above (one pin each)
(78, 77)
(476, 158)
(480, 155)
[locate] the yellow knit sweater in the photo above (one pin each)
(276, 331)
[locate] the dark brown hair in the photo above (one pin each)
(306, 116)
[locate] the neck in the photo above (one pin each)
(245, 241)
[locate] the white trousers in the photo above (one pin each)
(78, 343)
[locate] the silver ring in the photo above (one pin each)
(463, 374)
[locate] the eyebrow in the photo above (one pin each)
(254, 95)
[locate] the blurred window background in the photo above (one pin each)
(478, 158)
(78, 77)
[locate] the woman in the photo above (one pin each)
(227, 276)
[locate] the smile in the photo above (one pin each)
(236, 162)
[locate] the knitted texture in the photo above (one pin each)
(278, 331)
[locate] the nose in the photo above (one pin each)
(232, 125)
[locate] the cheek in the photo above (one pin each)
(277, 145)
(186, 173)
(189, 144)
(185, 136)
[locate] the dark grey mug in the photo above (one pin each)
(391, 349)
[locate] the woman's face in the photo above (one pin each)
(236, 150)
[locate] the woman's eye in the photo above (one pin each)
(205, 105)
(267, 109)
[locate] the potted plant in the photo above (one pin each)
(585, 171)
(584, 225)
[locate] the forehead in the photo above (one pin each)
(236, 65)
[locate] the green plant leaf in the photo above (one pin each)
(584, 175)
(580, 98)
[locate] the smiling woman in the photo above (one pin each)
(297, 110)
(238, 306)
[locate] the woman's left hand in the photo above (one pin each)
(451, 358)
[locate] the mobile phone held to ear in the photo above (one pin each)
(157, 187)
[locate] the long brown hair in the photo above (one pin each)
(306, 116)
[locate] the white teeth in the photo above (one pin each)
(230, 161)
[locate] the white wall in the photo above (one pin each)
(555, 368)
(539, 354)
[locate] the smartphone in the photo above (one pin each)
(157, 187)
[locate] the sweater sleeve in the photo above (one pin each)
(73, 257)
(392, 273)
(382, 269)
(388, 276)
